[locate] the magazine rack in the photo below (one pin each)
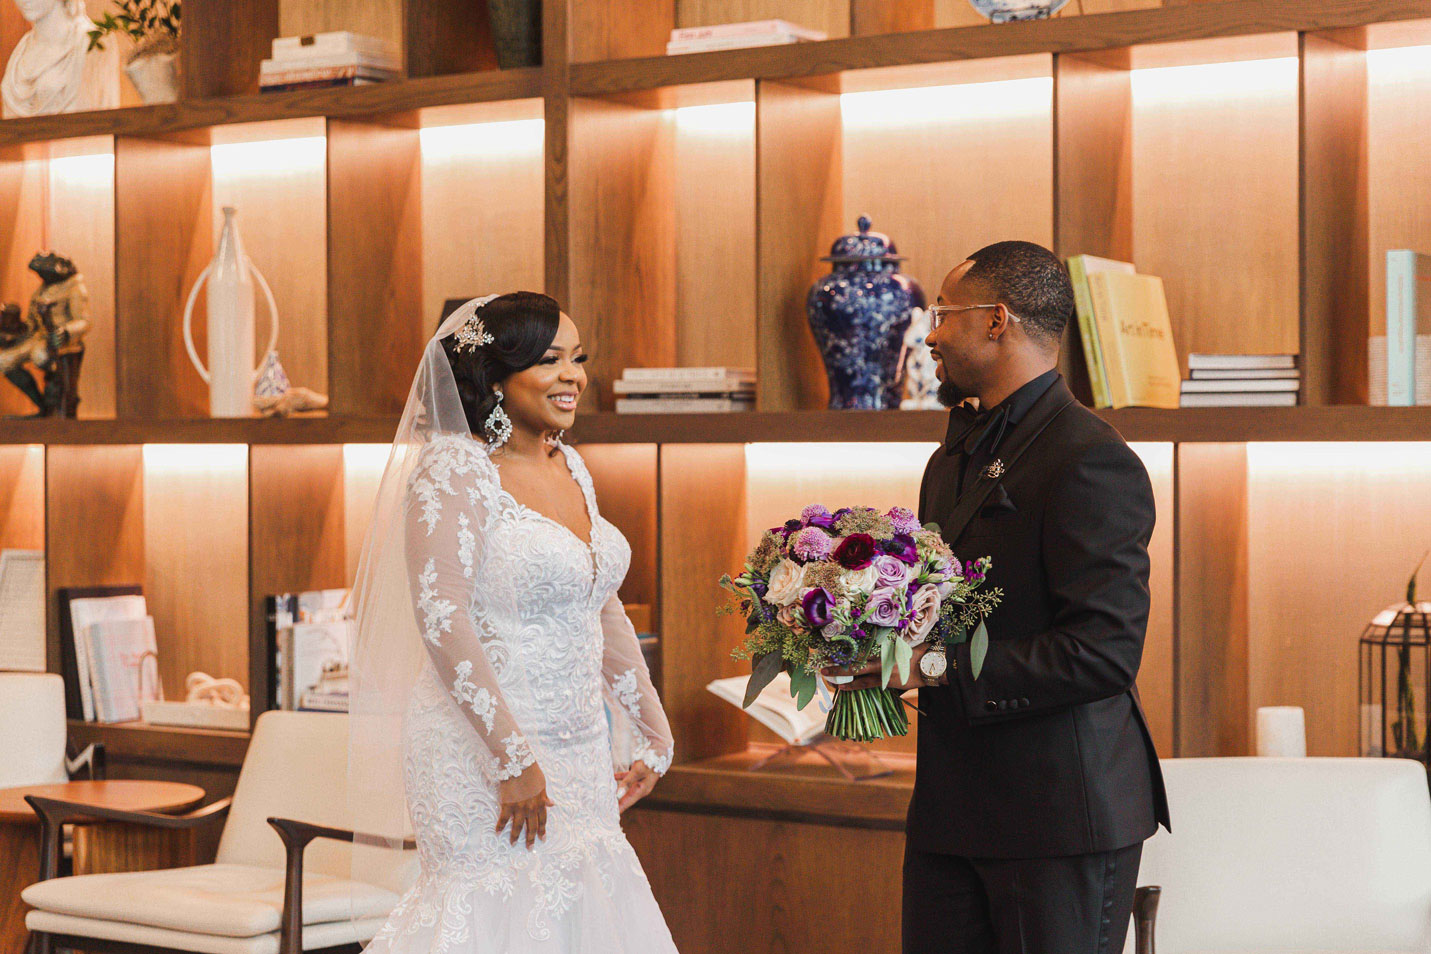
(853, 760)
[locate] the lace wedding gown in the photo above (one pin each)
(525, 637)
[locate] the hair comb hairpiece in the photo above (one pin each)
(473, 334)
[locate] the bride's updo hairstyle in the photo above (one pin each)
(523, 325)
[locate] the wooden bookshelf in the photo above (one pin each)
(1260, 155)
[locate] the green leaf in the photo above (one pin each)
(765, 668)
(978, 649)
(886, 658)
(802, 686)
(903, 653)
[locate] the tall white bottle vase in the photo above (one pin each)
(231, 369)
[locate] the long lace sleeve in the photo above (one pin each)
(446, 516)
(628, 685)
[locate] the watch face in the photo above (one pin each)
(932, 664)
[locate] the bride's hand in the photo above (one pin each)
(524, 803)
(638, 781)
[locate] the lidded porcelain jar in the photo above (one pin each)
(858, 314)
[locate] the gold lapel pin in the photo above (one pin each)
(995, 470)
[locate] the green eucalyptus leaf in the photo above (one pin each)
(903, 654)
(765, 668)
(802, 686)
(978, 649)
(886, 659)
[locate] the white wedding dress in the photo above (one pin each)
(525, 637)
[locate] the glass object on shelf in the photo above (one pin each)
(231, 322)
(1394, 674)
(859, 314)
(1006, 11)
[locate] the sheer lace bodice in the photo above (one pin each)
(525, 638)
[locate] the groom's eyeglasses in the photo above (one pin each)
(937, 313)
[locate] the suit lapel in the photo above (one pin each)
(1040, 416)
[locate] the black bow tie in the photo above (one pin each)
(969, 428)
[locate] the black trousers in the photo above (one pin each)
(1076, 905)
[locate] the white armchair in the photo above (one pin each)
(268, 890)
(32, 747)
(1290, 856)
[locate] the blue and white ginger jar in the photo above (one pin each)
(859, 314)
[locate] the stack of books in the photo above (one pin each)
(116, 656)
(1241, 380)
(730, 36)
(328, 59)
(1126, 333)
(311, 635)
(685, 390)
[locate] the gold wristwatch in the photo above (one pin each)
(933, 664)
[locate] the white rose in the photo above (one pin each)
(926, 613)
(787, 582)
(834, 628)
(861, 581)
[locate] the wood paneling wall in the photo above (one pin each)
(798, 213)
(22, 497)
(622, 268)
(1215, 191)
(163, 238)
(703, 505)
(626, 480)
(196, 557)
(1157, 676)
(375, 338)
(1212, 678)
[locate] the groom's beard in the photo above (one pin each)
(950, 395)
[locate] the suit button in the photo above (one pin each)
(1003, 703)
(991, 705)
(1024, 703)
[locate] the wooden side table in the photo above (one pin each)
(98, 846)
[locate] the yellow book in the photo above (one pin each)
(1079, 268)
(1136, 337)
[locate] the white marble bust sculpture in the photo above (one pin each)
(50, 70)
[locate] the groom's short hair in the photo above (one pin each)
(1030, 281)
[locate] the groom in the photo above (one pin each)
(1037, 782)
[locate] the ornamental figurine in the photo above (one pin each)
(41, 353)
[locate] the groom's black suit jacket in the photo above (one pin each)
(1047, 753)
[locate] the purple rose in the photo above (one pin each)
(816, 604)
(904, 520)
(817, 516)
(901, 546)
(812, 543)
(885, 607)
(892, 572)
(856, 551)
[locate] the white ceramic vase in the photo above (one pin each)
(156, 76)
(230, 373)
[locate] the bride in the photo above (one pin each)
(490, 633)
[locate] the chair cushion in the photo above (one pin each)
(32, 710)
(315, 936)
(221, 899)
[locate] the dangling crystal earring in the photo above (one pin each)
(498, 425)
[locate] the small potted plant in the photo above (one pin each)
(153, 25)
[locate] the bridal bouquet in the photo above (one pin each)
(844, 588)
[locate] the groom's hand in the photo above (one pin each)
(868, 676)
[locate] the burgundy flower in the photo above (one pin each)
(856, 551)
(817, 603)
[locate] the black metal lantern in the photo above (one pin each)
(1394, 677)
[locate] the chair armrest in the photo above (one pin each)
(54, 812)
(296, 837)
(1145, 915)
(92, 759)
